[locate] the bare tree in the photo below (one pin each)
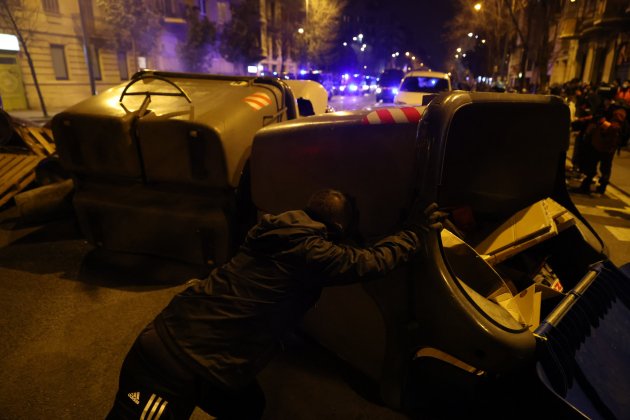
(200, 36)
(488, 26)
(21, 20)
(240, 39)
(135, 24)
(508, 27)
(321, 29)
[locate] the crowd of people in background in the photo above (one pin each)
(600, 126)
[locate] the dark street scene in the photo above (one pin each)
(309, 209)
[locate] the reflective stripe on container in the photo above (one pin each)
(407, 114)
(257, 100)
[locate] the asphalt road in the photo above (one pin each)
(67, 322)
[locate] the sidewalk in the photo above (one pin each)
(36, 115)
(620, 177)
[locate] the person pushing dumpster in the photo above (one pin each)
(209, 343)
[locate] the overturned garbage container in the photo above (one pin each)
(161, 163)
(514, 309)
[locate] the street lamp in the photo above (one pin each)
(300, 30)
(477, 7)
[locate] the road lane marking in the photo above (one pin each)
(617, 194)
(621, 234)
(601, 211)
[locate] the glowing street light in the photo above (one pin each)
(345, 44)
(483, 41)
(459, 49)
(477, 7)
(300, 30)
(470, 34)
(407, 53)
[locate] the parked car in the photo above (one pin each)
(388, 84)
(161, 163)
(513, 307)
(420, 87)
(353, 84)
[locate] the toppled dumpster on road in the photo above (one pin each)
(161, 163)
(514, 310)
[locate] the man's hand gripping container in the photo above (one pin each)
(475, 324)
(161, 163)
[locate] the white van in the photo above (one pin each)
(418, 88)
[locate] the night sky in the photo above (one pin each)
(426, 19)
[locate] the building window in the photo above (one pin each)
(123, 69)
(58, 54)
(50, 6)
(95, 58)
(223, 12)
(142, 62)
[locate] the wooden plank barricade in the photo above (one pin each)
(17, 167)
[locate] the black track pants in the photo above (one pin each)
(154, 386)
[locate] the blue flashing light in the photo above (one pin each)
(302, 72)
(395, 91)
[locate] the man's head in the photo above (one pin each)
(334, 209)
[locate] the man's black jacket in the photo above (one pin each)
(228, 326)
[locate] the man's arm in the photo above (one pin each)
(345, 264)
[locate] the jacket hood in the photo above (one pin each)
(282, 228)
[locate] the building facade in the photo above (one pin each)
(74, 55)
(593, 42)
